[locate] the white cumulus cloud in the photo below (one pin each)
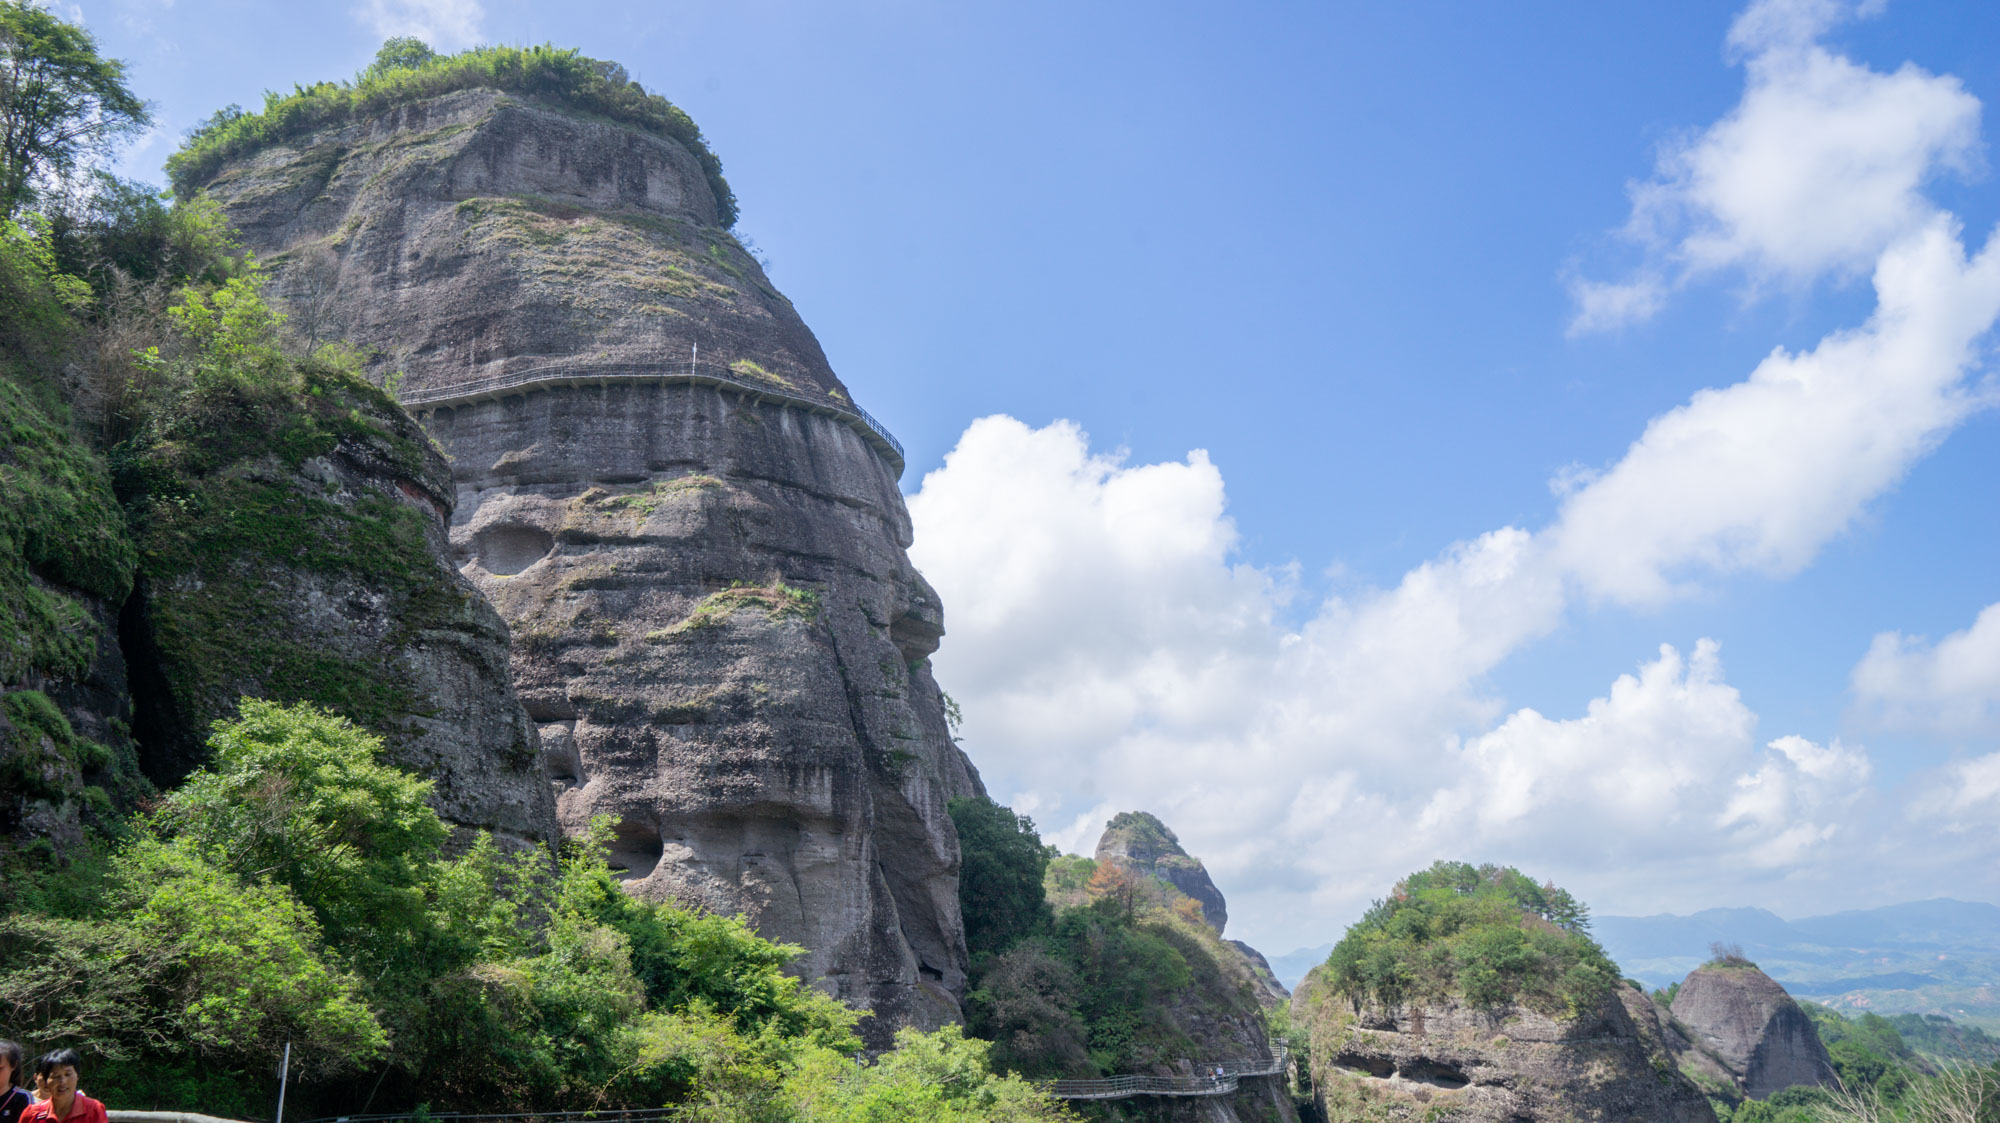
(1759, 475)
(1820, 167)
(443, 24)
(1112, 650)
(1951, 687)
(1112, 653)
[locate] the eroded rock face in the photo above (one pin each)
(1754, 1028)
(1136, 841)
(715, 623)
(477, 236)
(331, 581)
(1607, 1066)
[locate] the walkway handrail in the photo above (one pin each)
(1214, 1079)
(127, 1115)
(601, 1115)
(495, 386)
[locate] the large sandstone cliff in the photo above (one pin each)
(696, 537)
(1745, 1020)
(1447, 1060)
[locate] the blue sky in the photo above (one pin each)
(1344, 251)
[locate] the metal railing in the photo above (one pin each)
(126, 1115)
(1215, 1079)
(1211, 1080)
(566, 374)
(607, 1115)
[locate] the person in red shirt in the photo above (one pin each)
(56, 1076)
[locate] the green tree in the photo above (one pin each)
(1486, 934)
(404, 52)
(941, 1077)
(60, 101)
(1000, 877)
(299, 796)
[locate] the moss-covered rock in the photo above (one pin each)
(292, 547)
(62, 539)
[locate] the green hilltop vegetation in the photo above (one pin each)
(408, 71)
(1488, 935)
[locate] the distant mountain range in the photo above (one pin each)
(1926, 957)
(1292, 966)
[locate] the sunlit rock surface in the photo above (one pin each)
(715, 624)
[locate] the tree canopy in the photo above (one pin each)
(298, 890)
(1000, 881)
(1489, 935)
(60, 101)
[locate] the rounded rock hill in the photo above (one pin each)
(1757, 1030)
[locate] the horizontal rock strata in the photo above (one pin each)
(715, 623)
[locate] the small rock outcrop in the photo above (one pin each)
(1140, 843)
(1746, 1021)
(696, 536)
(1270, 992)
(1450, 1060)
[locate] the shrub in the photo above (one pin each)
(1728, 957)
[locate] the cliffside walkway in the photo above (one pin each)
(1217, 1079)
(573, 375)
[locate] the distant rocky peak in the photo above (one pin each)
(1748, 1022)
(1139, 842)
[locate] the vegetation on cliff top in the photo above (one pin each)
(1487, 935)
(406, 71)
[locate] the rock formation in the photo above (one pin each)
(314, 566)
(1140, 843)
(1270, 992)
(1447, 1060)
(291, 545)
(695, 535)
(1220, 1014)
(1747, 1022)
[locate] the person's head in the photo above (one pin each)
(57, 1073)
(10, 1065)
